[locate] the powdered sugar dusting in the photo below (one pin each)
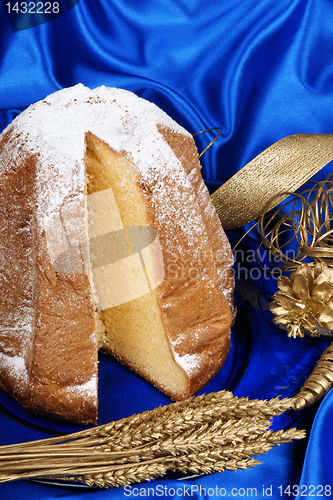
(89, 389)
(189, 362)
(17, 370)
(55, 129)
(16, 367)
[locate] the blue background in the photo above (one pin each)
(260, 70)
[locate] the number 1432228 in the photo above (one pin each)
(33, 7)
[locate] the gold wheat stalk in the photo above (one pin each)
(207, 462)
(211, 460)
(208, 433)
(180, 417)
(162, 421)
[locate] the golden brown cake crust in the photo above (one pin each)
(47, 349)
(185, 150)
(48, 352)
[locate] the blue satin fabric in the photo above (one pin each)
(261, 71)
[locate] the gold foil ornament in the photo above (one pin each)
(318, 383)
(304, 302)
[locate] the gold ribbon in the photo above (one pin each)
(309, 224)
(284, 166)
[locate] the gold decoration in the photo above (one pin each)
(251, 195)
(207, 434)
(284, 166)
(304, 302)
(308, 223)
(211, 142)
(319, 382)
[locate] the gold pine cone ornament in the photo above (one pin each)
(304, 302)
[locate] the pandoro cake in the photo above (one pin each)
(109, 241)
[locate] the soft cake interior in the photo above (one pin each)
(132, 332)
